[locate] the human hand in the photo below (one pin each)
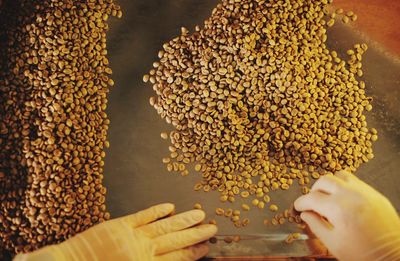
(353, 220)
(147, 235)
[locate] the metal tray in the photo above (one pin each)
(134, 174)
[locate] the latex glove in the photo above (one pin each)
(353, 220)
(141, 236)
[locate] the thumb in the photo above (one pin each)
(318, 225)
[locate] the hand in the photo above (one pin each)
(146, 235)
(352, 219)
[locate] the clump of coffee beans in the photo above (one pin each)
(54, 81)
(258, 101)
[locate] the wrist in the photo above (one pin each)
(48, 253)
(387, 247)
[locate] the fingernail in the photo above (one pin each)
(203, 249)
(212, 229)
(200, 250)
(167, 207)
(198, 215)
(296, 203)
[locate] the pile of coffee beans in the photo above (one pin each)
(258, 101)
(54, 81)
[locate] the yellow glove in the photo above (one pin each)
(141, 236)
(353, 220)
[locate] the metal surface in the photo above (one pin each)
(135, 176)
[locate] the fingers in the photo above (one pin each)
(187, 254)
(328, 184)
(185, 238)
(320, 227)
(344, 175)
(316, 201)
(174, 223)
(149, 215)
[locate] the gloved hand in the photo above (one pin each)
(142, 236)
(353, 220)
